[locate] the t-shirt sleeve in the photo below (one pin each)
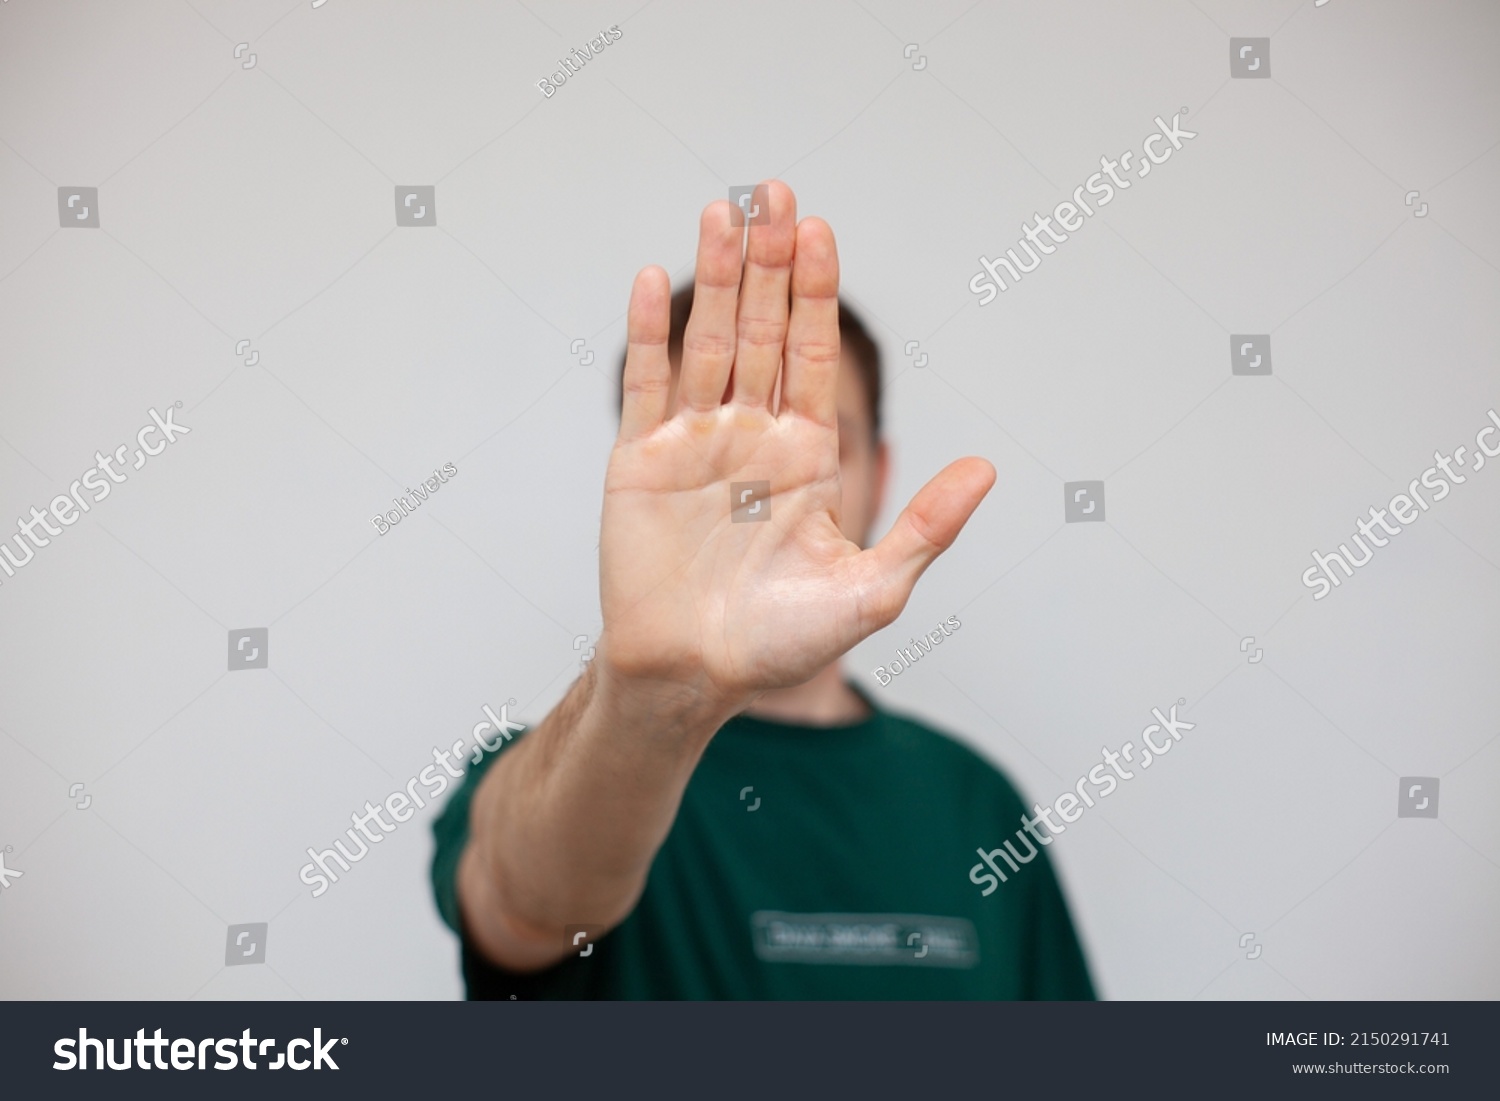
(1058, 969)
(1055, 968)
(482, 979)
(450, 831)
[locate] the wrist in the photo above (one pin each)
(685, 707)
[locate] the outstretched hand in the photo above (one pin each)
(729, 608)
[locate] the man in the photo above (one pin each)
(713, 811)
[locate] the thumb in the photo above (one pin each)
(925, 529)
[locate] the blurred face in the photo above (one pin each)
(864, 464)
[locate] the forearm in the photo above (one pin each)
(563, 828)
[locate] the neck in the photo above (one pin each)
(823, 701)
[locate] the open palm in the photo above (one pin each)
(694, 592)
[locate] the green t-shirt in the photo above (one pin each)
(815, 863)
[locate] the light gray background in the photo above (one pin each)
(257, 204)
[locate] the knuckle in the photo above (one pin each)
(647, 384)
(761, 332)
(817, 351)
(707, 344)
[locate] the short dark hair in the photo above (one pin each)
(854, 337)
